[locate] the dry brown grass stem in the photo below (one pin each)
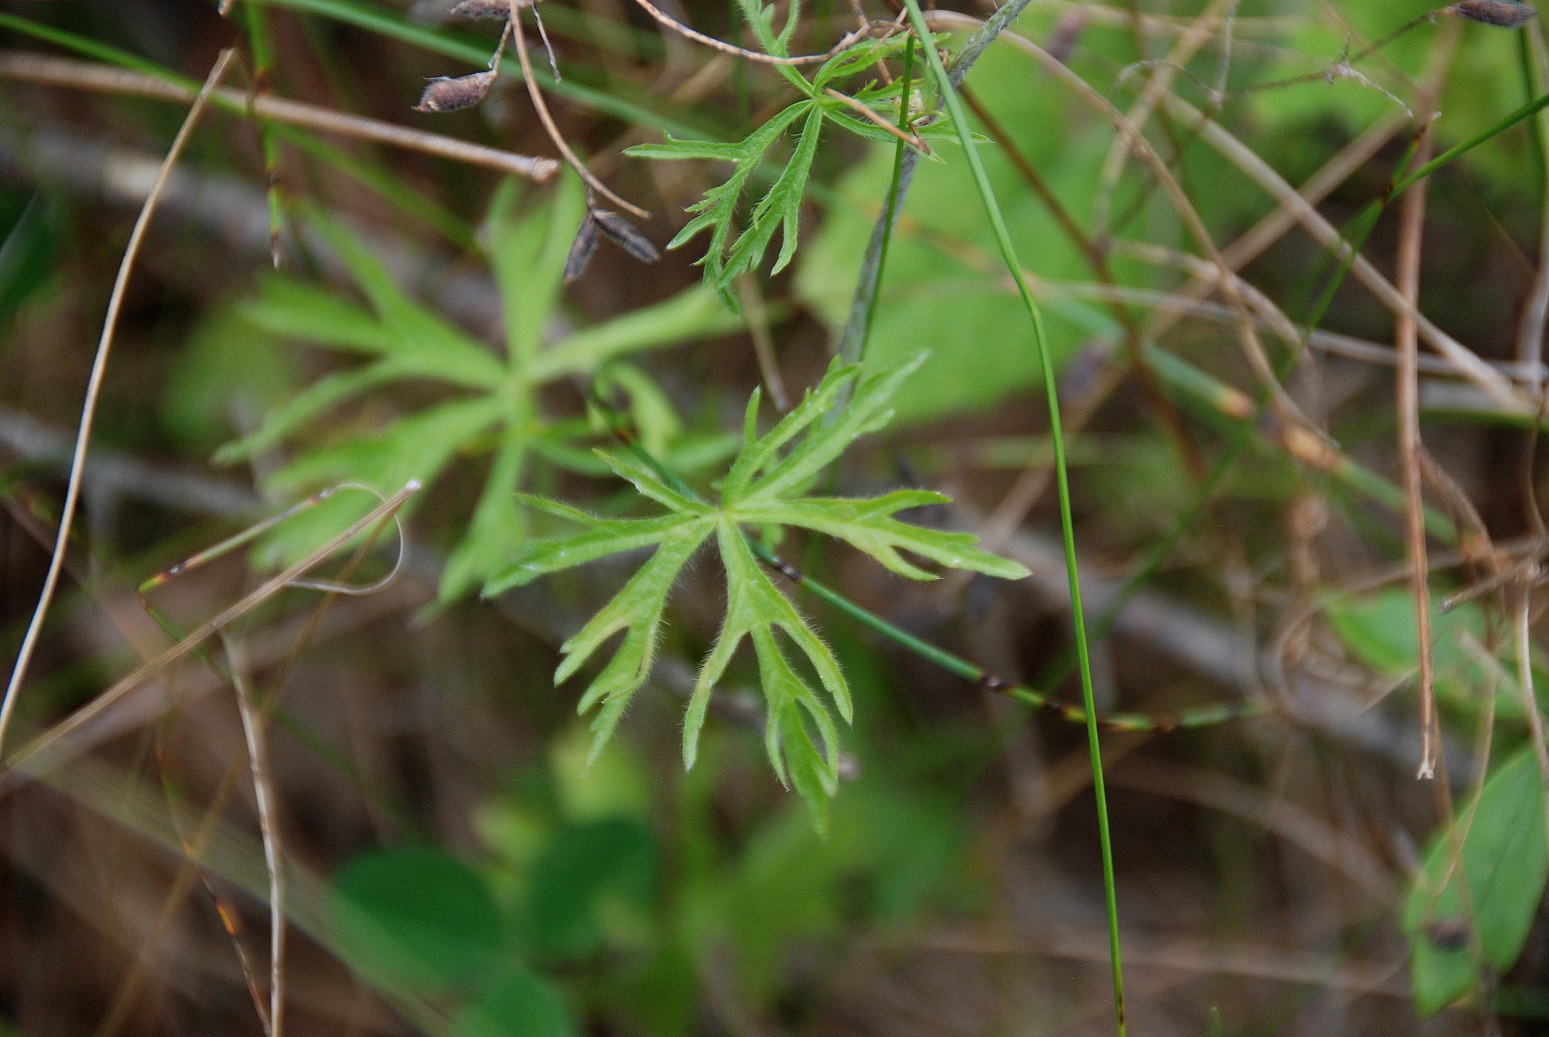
(68, 73)
(542, 108)
(1247, 335)
(94, 389)
(1410, 446)
(1465, 361)
(254, 723)
(751, 298)
(1294, 824)
(913, 140)
(1199, 32)
(1522, 624)
(1530, 331)
(52, 747)
(742, 52)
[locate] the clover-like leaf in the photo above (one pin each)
(761, 490)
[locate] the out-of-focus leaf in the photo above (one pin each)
(584, 865)
(228, 373)
(1490, 892)
(27, 252)
(414, 915)
(518, 1004)
(1379, 629)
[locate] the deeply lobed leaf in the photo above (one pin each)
(800, 736)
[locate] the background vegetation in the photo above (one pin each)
(1287, 260)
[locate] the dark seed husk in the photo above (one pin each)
(626, 236)
(581, 249)
(484, 10)
(1506, 13)
(449, 93)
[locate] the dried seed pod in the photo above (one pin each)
(1448, 934)
(485, 10)
(626, 236)
(1508, 14)
(449, 93)
(581, 249)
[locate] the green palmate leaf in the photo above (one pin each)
(755, 607)
(498, 525)
(717, 210)
(1469, 913)
(604, 537)
(800, 735)
(869, 526)
(866, 412)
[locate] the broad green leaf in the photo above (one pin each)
(529, 260)
(1490, 893)
(518, 1003)
(27, 256)
(1379, 630)
(691, 314)
(869, 526)
(573, 879)
(414, 916)
(294, 309)
(280, 423)
(933, 295)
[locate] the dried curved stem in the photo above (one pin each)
(742, 52)
(94, 388)
(542, 108)
(71, 74)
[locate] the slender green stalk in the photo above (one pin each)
(262, 45)
(1067, 524)
(890, 213)
(1527, 111)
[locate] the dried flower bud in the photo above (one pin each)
(626, 236)
(581, 249)
(485, 10)
(1506, 13)
(448, 93)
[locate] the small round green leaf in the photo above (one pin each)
(519, 1004)
(414, 916)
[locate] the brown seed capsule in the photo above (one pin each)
(1508, 14)
(626, 236)
(581, 249)
(449, 93)
(1448, 934)
(485, 10)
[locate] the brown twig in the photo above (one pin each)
(542, 108)
(254, 722)
(742, 52)
(87, 75)
(913, 140)
(94, 388)
(1410, 446)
